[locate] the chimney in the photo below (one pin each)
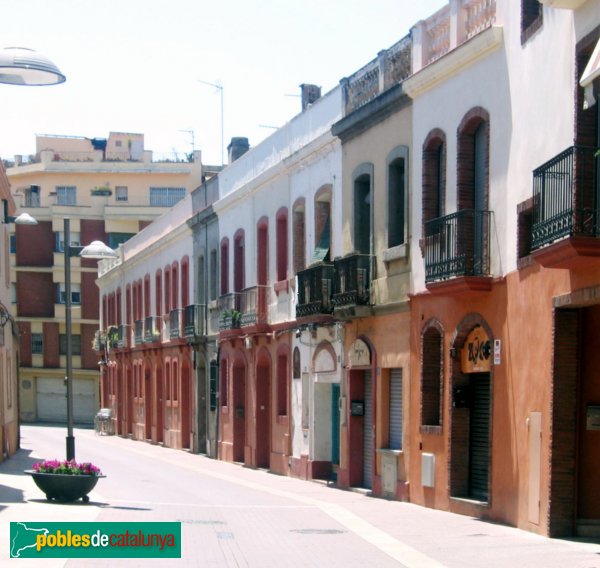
(237, 147)
(310, 93)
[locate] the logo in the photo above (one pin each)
(95, 540)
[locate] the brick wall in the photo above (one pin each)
(51, 345)
(35, 244)
(434, 188)
(36, 294)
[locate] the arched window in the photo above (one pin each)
(299, 235)
(431, 375)
(363, 180)
(224, 267)
(282, 244)
(434, 175)
(397, 196)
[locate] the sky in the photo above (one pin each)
(142, 65)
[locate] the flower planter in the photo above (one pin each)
(64, 487)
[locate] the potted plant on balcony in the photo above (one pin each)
(231, 319)
(102, 190)
(65, 481)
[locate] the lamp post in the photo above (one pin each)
(96, 250)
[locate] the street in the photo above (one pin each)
(234, 516)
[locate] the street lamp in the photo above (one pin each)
(23, 66)
(97, 250)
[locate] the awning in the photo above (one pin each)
(590, 74)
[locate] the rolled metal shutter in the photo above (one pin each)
(395, 409)
(368, 434)
(479, 446)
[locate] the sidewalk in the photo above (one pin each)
(416, 537)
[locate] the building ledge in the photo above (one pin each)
(461, 285)
(454, 61)
(565, 4)
(569, 253)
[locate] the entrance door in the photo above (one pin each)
(239, 413)
(368, 433)
(335, 424)
(479, 437)
(263, 416)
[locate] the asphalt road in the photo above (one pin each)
(234, 516)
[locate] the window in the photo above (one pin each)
(362, 208)
(431, 376)
(434, 176)
(75, 294)
(66, 195)
(322, 225)
(37, 343)
(524, 232)
(224, 266)
(282, 383)
(13, 293)
(13, 243)
(121, 193)
(201, 283)
(75, 344)
(212, 385)
(531, 18)
(213, 275)
(282, 245)
(60, 240)
(116, 239)
(397, 197)
(32, 196)
(166, 196)
(299, 236)
(239, 268)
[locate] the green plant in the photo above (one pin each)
(112, 335)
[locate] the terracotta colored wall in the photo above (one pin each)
(35, 245)
(90, 296)
(91, 230)
(36, 294)
(51, 345)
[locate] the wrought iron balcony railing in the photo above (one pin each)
(457, 245)
(229, 310)
(352, 280)
(314, 290)
(254, 304)
(565, 200)
(195, 317)
(152, 329)
(138, 332)
(175, 323)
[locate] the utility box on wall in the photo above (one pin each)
(427, 470)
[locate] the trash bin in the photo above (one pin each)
(103, 422)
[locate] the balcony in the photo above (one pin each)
(314, 290)
(138, 332)
(195, 316)
(565, 227)
(457, 255)
(152, 329)
(175, 324)
(229, 311)
(254, 303)
(352, 280)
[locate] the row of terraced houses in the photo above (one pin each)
(399, 289)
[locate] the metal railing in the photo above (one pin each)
(254, 304)
(314, 290)
(175, 323)
(457, 245)
(138, 332)
(123, 339)
(565, 196)
(352, 280)
(229, 310)
(152, 329)
(195, 316)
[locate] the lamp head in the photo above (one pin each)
(97, 250)
(23, 66)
